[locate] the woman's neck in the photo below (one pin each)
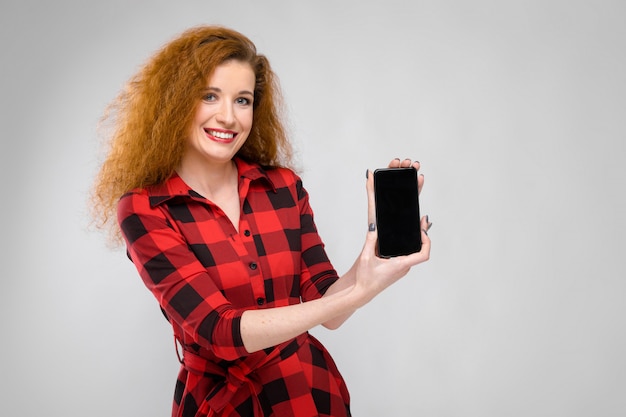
(211, 180)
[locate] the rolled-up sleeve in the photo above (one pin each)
(178, 280)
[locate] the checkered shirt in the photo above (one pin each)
(205, 274)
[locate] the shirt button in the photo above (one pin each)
(252, 265)
(260, 301)
(247, 233)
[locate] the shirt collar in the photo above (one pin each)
(175, 187)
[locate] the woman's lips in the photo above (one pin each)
(222, 136)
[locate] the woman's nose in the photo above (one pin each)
(226, 114)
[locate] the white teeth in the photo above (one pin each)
(221, 135)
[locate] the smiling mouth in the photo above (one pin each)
(221, 136)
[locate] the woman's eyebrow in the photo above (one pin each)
(219, 90)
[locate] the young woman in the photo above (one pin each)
(221, 232)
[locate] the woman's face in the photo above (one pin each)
(223, 118)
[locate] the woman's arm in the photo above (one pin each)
(348, 279)
(264, 328)
(368, 276)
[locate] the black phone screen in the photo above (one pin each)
(397, 211)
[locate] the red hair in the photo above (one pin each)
(152, 115)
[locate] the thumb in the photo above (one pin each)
(372, 230)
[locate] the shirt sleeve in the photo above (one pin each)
(180, 283)
(317, 273)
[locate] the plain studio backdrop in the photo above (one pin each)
(516, 110)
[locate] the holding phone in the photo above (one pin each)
(397, 211)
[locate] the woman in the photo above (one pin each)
(221, 232)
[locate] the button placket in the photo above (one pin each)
(257, 282)
(256, 275)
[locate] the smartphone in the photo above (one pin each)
(397, 211)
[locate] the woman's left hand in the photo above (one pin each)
(374, 274)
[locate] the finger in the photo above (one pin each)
(395, 163)
(425, 224)
(405, 163)
(371, 205)
(420, 183)
(420, 177)
(369, 248)
(429, 224)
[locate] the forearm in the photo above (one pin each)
(347, 281)
(264, 328)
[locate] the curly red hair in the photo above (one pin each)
(152, 115)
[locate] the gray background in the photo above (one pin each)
(516, 111)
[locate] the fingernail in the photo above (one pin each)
(397, 159)
(367, 173)
(425, 232)
(371, 227)
(427, 219)
(429, 226)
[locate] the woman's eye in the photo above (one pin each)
(209, 97)
(243, 101)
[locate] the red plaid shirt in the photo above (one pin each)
(205, 274)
